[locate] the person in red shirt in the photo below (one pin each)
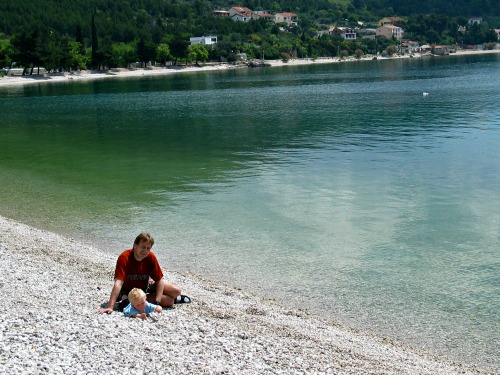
(134, 269)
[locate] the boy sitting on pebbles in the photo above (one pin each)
(138, 306)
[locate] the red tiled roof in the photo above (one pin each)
(242, 10)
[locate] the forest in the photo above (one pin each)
(82, 34)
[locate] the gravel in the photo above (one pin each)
(52, 287)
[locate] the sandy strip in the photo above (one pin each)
(52, 287)
(156, 71)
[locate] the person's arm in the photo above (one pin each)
(160, 286)
(117, 286)
(142, 316)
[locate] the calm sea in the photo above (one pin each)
(338, 188)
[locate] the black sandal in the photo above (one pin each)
(182, 299)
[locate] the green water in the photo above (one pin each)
(338, 188)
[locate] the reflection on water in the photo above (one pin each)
(340, 188)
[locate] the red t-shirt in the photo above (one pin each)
(136, 274)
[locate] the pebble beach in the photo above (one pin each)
(53, 287)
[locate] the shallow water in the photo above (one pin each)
(340, 188)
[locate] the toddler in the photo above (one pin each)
(138, 306)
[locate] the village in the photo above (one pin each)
(387, 27)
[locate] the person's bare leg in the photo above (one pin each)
(170, 293)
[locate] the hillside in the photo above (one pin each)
(453, 8)
(97, 33)
(127, 19)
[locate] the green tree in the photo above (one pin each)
(105, 54)
(27, 46)
(146, 51)
(163, 53)
(391, 50)
(197, 52)
(179, 47)
(78, 58)
(125, 54)
(6, 51)
(94, 61)
(55, 51)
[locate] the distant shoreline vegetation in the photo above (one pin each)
(101, 35)
(15, 77)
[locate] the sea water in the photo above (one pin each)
(336, 188)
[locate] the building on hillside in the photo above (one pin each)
(241, 11)
(425, 48)
(261, 12)
(390, 31)
(410, 47)
(221, 13)
(345, 33)
(259, 15)
(286, 17)
(440, 50)
(244, 14)
(240, 14)
(389, 21)
(366, 33)
(497, 31)
(204, 40)
(241, 17)
(475, 20)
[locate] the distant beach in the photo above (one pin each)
(87, 75)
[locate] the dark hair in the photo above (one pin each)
(144, 236)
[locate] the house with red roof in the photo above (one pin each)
(241, 11)
(244, 14)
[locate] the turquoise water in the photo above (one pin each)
(337, 188)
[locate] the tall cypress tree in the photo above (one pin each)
(95, 44)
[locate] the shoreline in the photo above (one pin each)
(85, 75)
(50, 327)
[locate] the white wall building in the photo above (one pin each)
(205, 40)
(287, 17)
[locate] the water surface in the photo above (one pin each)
(339, 188)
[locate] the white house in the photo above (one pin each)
(241, 17)
(345, 33)
(204, 40)
(410, 46)
(287, 17)
(475, 20)
(258, 15)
